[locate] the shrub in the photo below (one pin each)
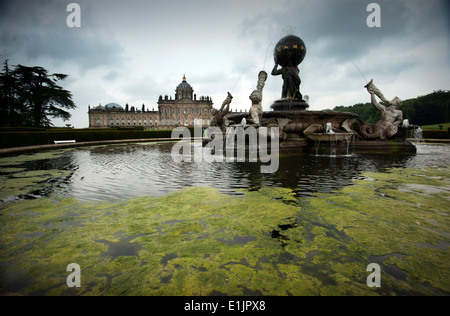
(43, 137)
(435, 134)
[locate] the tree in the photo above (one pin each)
(31, 96)
(10, 109)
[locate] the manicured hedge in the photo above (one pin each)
(436, 134)
(38, 137)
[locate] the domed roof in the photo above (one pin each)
(184, 84)
(113, 107)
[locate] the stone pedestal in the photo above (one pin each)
(289, 105)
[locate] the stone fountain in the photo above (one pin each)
(302, 129)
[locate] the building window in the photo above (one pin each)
(140, 122)
(156, 122)
(193, 121)
(162, 110)
(179, 122)
(186, 123)
(162, 121)
(193, 111)
(111, 122)
(145, 122)
(128, 121)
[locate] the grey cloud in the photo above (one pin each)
(35, 29)
(339, 28)
(111, 75)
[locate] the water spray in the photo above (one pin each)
(265, 57)
(360, 72)
(242, 72)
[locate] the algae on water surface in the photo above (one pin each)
(198, 241)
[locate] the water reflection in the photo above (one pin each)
(124, 171)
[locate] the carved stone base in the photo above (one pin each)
(295, 144)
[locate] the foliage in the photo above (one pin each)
(366, 111)
(31, 138)
(29, 96)
(430, 134)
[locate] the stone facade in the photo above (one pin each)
(184, 109)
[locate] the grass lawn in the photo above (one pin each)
(445, 126)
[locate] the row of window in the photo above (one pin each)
(193, 111)
(194, 121)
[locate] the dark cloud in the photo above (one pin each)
(38, 29)
(338, 30)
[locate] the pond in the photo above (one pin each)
(133, 170)
(138, 223)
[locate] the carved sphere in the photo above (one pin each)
(289, 51)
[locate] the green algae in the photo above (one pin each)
(20, 159)
(198, 241)
(22, 182)
(17, 181)
(7, 170)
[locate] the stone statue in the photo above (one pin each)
(218, 115)
(256, 98)
(391, 117)
(291, 81)
(289, 53)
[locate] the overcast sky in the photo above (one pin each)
(133, 51)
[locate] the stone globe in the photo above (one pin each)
(289, 51)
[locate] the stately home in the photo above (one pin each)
(184, 109)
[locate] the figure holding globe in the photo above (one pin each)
(291, 81)
(289, 53)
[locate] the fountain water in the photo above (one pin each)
(329, 128)
(418, 135)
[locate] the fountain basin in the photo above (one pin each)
(298, 120)
(306, 127)
(329, 137)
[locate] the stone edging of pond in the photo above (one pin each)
(23, 149)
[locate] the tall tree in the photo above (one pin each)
(42, 96)
(11, 112)
(31, 96)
